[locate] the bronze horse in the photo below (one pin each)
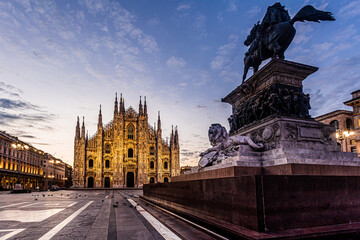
(272, 40)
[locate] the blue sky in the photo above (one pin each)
(62, 59)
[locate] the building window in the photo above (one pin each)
(353, 149)
(152, 150)
(130, 153)
(107, 148)
(335, 124)
(165, 165)
(91, 163)
(349, 124)
(130, 131)
(151, 165)
(352, 142)
(152, 180)
(107, 163)
(166, 179)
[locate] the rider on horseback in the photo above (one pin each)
(272, 37)
(274, 14)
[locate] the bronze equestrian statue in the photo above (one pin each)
(273, 36)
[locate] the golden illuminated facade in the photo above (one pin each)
(127, 152)
(20, 163)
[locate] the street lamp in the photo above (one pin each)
(343, 136)
(20, 147)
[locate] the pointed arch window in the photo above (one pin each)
(152, 165)
(152, 150)
(130, 153)
(91, 163)
(130, 131)
(165, 165)
(107, 164)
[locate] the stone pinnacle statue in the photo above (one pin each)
(273, 36)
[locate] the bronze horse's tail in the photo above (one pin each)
(309, 13)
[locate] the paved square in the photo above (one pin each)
(93, 214)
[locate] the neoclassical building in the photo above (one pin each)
(346, 123)
(126, 152)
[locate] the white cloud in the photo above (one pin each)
(175, 62)
(218, 62)
(254, 11)
(204, 77)
(220, 17)
(351, 9)
(183, 7)
(232, 7)
(303, 31)
(153, 22)
(223, 52)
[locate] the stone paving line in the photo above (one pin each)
(84, 215)
(12, 232)
(99, 228)
(164, 231)
(61, 225)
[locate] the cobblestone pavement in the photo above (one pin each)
(96, 214)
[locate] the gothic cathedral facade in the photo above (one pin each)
(126, 152)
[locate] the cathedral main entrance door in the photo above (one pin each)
(107, 182)
(130, 179)
(90, 182)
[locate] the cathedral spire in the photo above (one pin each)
(159, 127)
(145, 107)
(100, 118)
(77, 132)
(172, 136)
(159, 121)
(140, 108)
(121, 104)
(176, 138)
(116, 105)
(83, 129)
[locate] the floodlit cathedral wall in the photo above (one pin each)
(126, 152)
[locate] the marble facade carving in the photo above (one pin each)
(126, 152)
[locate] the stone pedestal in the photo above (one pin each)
(271, 108)
(299, 186)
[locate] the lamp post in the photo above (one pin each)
(20, 147)
(343, 136)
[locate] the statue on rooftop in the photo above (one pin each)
(271, 37)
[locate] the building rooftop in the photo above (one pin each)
(333, 113)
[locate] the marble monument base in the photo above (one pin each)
(300, 185)
(284, 201)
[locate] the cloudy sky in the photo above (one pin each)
(62, 59)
